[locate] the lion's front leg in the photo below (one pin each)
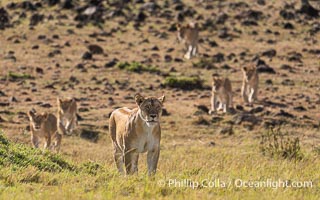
(61, 127)
(244, 92)
(71, 125)
(152, 160)
(57, 142)
(189, 52)
(131, 162)
(35, 140)
(213, 104)
(47, 142)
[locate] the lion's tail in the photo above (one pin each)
(112, 128)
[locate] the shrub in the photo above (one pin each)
(204, 63)
(91, 168)
(185, 83)
(277, 144)
(16, 76)
(137, 67)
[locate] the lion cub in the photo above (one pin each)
(188, 35)
(222, 93)
(250, 84)
(44, 125)
(67, 115)
(137, 131)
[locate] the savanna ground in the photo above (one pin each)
(41, 62)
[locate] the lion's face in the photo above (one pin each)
(150, 108)
(65, 104)
(187, 32)
(216, 84)
(248, 72)
(37, 120)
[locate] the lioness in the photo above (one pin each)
(67, 115)
(137, 131)
(188, 35)
(222, 92)
(250, 84)
(44, 126)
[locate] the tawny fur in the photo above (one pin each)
(44, 126)
(222, 93)
(189, 35)
(137, 131)
(67, 115)
(250, 83)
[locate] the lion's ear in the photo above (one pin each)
(178, 25)
(31, 114)
(45, 115)
(139, 99)
(59, 101)
(162, 99)
(215, 77)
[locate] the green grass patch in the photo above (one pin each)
(278, 144)
(183, 82)
(16, 76)
(204, 63)
(18, 155)
(137, 67)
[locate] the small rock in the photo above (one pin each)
(211, 144)
(226, 131)
(239, 107)
(269, 53)
(300, 108)
(46, 105)
(245, 117)
(87, 56)
(167, 58)
(287, 15)
(288, 82)
(112, 63)
(141, 17)
(89, 135)
(2, 94)
(216, 119)
(3, 104)
(283, 113)
(222, 18)
(262, 67)
(67, 4)
(95, 49)
(203, 108)
(201, 121)
(261, 2)
(256, 110)
(36, 19)
(165, 112)
(285, 67)
(288, 25)
(218, 58)
(2, 120)
(39, 70)
(269, 82)
(13, 99)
